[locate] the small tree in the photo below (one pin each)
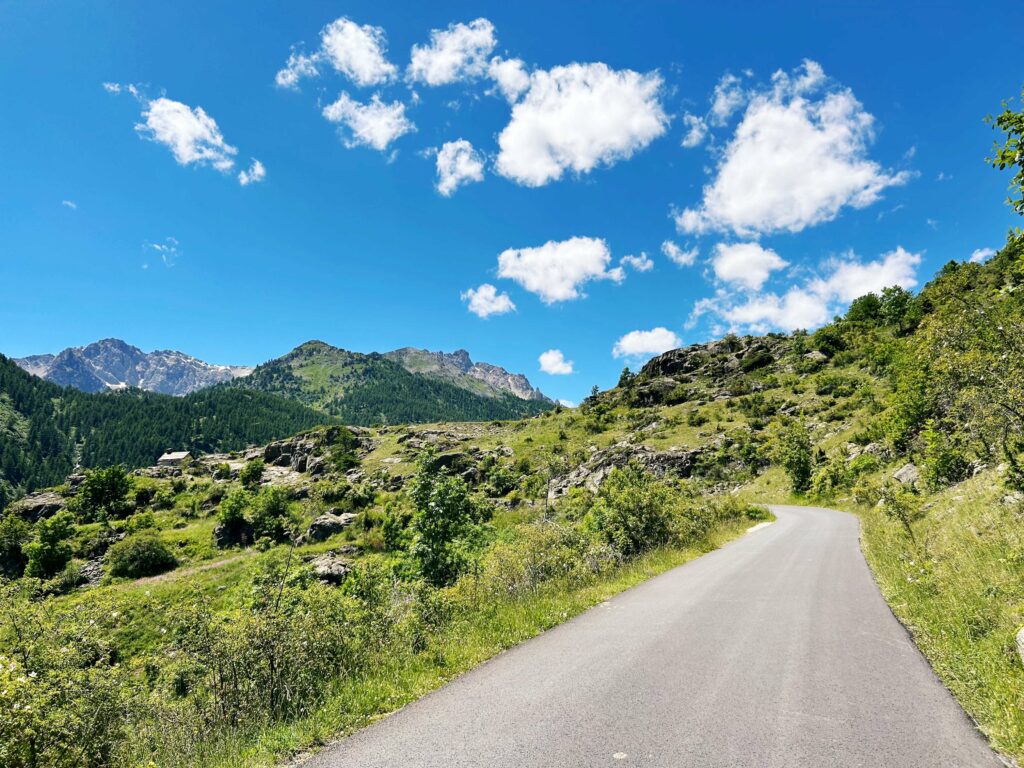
(270, 512)
(1011, 153)
(103, 494)
(631, 511)
(251, 474)
(792, 450)
(446, 527)
(15, 533)
(50, 551)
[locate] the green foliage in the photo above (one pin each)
(15, 533)
(138, 555)
(791, 449)
(270, 515)
(251, 474)
(140, 521)
(944, 462)
(103, 494)
(50, 551)
(1011, 153)
(232, 509)
(902, 505)
(632, 511)
(65, 426)
(222, 471)
(447, 527)
(865, 309)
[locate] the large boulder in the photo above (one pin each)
(329, 524)
(331, 568)
(908, 474)
(239, 534)
(590, 474)
(36, 506)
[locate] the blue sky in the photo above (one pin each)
(484, 157)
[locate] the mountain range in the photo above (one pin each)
(115, 364)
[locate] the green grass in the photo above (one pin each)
(397, 679)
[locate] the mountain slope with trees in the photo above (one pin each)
(373, 389)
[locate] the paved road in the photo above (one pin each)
(776, 650)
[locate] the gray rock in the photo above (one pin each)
(330, 568)
(38, 505)
(329, 524)
(816, 356)
(593, 472)
(908, 474)
(1020, 644)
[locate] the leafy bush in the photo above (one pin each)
(50, 551)
(15, 533)
(140, 521)
(944, 462)
(102, 494)
(632, 511)
(270, 514)
(222, 471)
(141, 554)
(233, 507)
(251, 474)
(792, 450)
(447, 527)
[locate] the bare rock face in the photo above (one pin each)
(36, 506)
(593, 472)
(459, 369)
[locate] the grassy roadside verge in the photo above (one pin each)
(394, 681)
(958, 589)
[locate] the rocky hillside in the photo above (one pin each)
(373, 389)
(114, 364)
(459, 369)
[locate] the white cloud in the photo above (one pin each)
(69, 204)
(192, 135)
(457, 164)
(793, 162)
(297, 67)
(849, 278)
(116, 88)
(696, 131)
(646, 343)
(677, 255)
(641, 263)
(981, 255)
(485, 301)
(578, 117)
(817, 300)
(356, 51)
(554, 362)
(510, 77)
(375, 124)
(728, 97)
(566, 403)
(745, 264)
(168, 251)
(555, 271)
(254, 175)
(457, 53)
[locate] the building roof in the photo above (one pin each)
(174, 456)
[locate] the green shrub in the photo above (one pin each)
(141, 554)
(233, 507)
(15, 533)
(944, 462)
(791, 449)
(102, 494)
(270, 514)
(251, 474)
(140, 521)
(50, 551)
(631, 511)
(222, 471)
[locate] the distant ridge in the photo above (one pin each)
(459, 369)
(115, 364)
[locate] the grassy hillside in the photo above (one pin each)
(371, 389)
(46, 429)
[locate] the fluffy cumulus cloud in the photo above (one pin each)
(459, 52)
(373, 124)
(727, 97)
(840, 281)
(556, 271)
(696, 131)
(458, 164)
(646, 343)
(356, 51)
(745, 264)
(554, 362)
(578, 117)
(678, 256)
(510, 77)
(797, 158)
(981, 255)
(641, 263)
(192, 135)
(254, 174)
(486, 301)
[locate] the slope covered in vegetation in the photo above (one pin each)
(372, 389)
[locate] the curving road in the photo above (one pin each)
(776, 650)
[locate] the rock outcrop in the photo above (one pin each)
(592, 473)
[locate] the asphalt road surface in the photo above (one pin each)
(776, 650)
